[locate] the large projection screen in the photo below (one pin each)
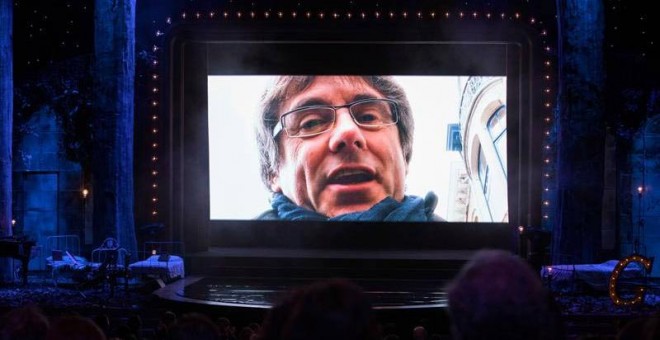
(474, 136)
(438, 163)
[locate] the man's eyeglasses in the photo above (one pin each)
(313, 120)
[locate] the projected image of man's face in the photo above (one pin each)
(348, 167)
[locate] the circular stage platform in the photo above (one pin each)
(254, 292)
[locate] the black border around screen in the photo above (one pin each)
(240, 52)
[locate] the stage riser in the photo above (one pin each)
(323, 268)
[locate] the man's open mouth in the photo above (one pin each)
(351, 177)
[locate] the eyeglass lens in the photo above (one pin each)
(315, 120)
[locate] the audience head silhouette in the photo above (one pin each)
(24, 323)
(497, 295)
(324, 310)
(74, 327)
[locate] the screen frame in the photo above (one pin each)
(187, 168)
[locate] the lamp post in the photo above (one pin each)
(87, 226)
(640, 221)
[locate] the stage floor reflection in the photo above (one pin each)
(255, 292)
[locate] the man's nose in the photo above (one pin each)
(346, 134)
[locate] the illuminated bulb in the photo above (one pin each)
(154, 103)
(154, 48)
(521, 229)
(154, 173)
(547, 63)
(154, 145)
(154, 90)
(349, 15)
(488, 15)
(280, 15)
(377, 14)
(266, 15)
(474, 14)
(335, 15)
(546, 189)
(154, 158)
(154, 213)
(446, 14)
(211, 15)
(197, 15)
(155, 62)
(546, 217)
(640, 189)
(154, 185)
(419, 15)
(460, 14)
(546, 203)
(532, 20)
(405, 15)
(154, 117)
(85, 192)
(153, 252)
(154, 130)
(154, 199)
(321, 15)
(168, 20)
(13, 222)
(547, 161)
(252, 15)
(547, 104)
(154, 76)
(183, 15)
(239, 14)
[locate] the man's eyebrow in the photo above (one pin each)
(315, 101)
(364, 96)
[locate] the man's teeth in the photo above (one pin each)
(347, 173)
(351, 176)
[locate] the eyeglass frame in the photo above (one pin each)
(394, 104)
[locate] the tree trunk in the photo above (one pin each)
(112, 160)
(6, 122)
(581, 131)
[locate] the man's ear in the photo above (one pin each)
(275, 183)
